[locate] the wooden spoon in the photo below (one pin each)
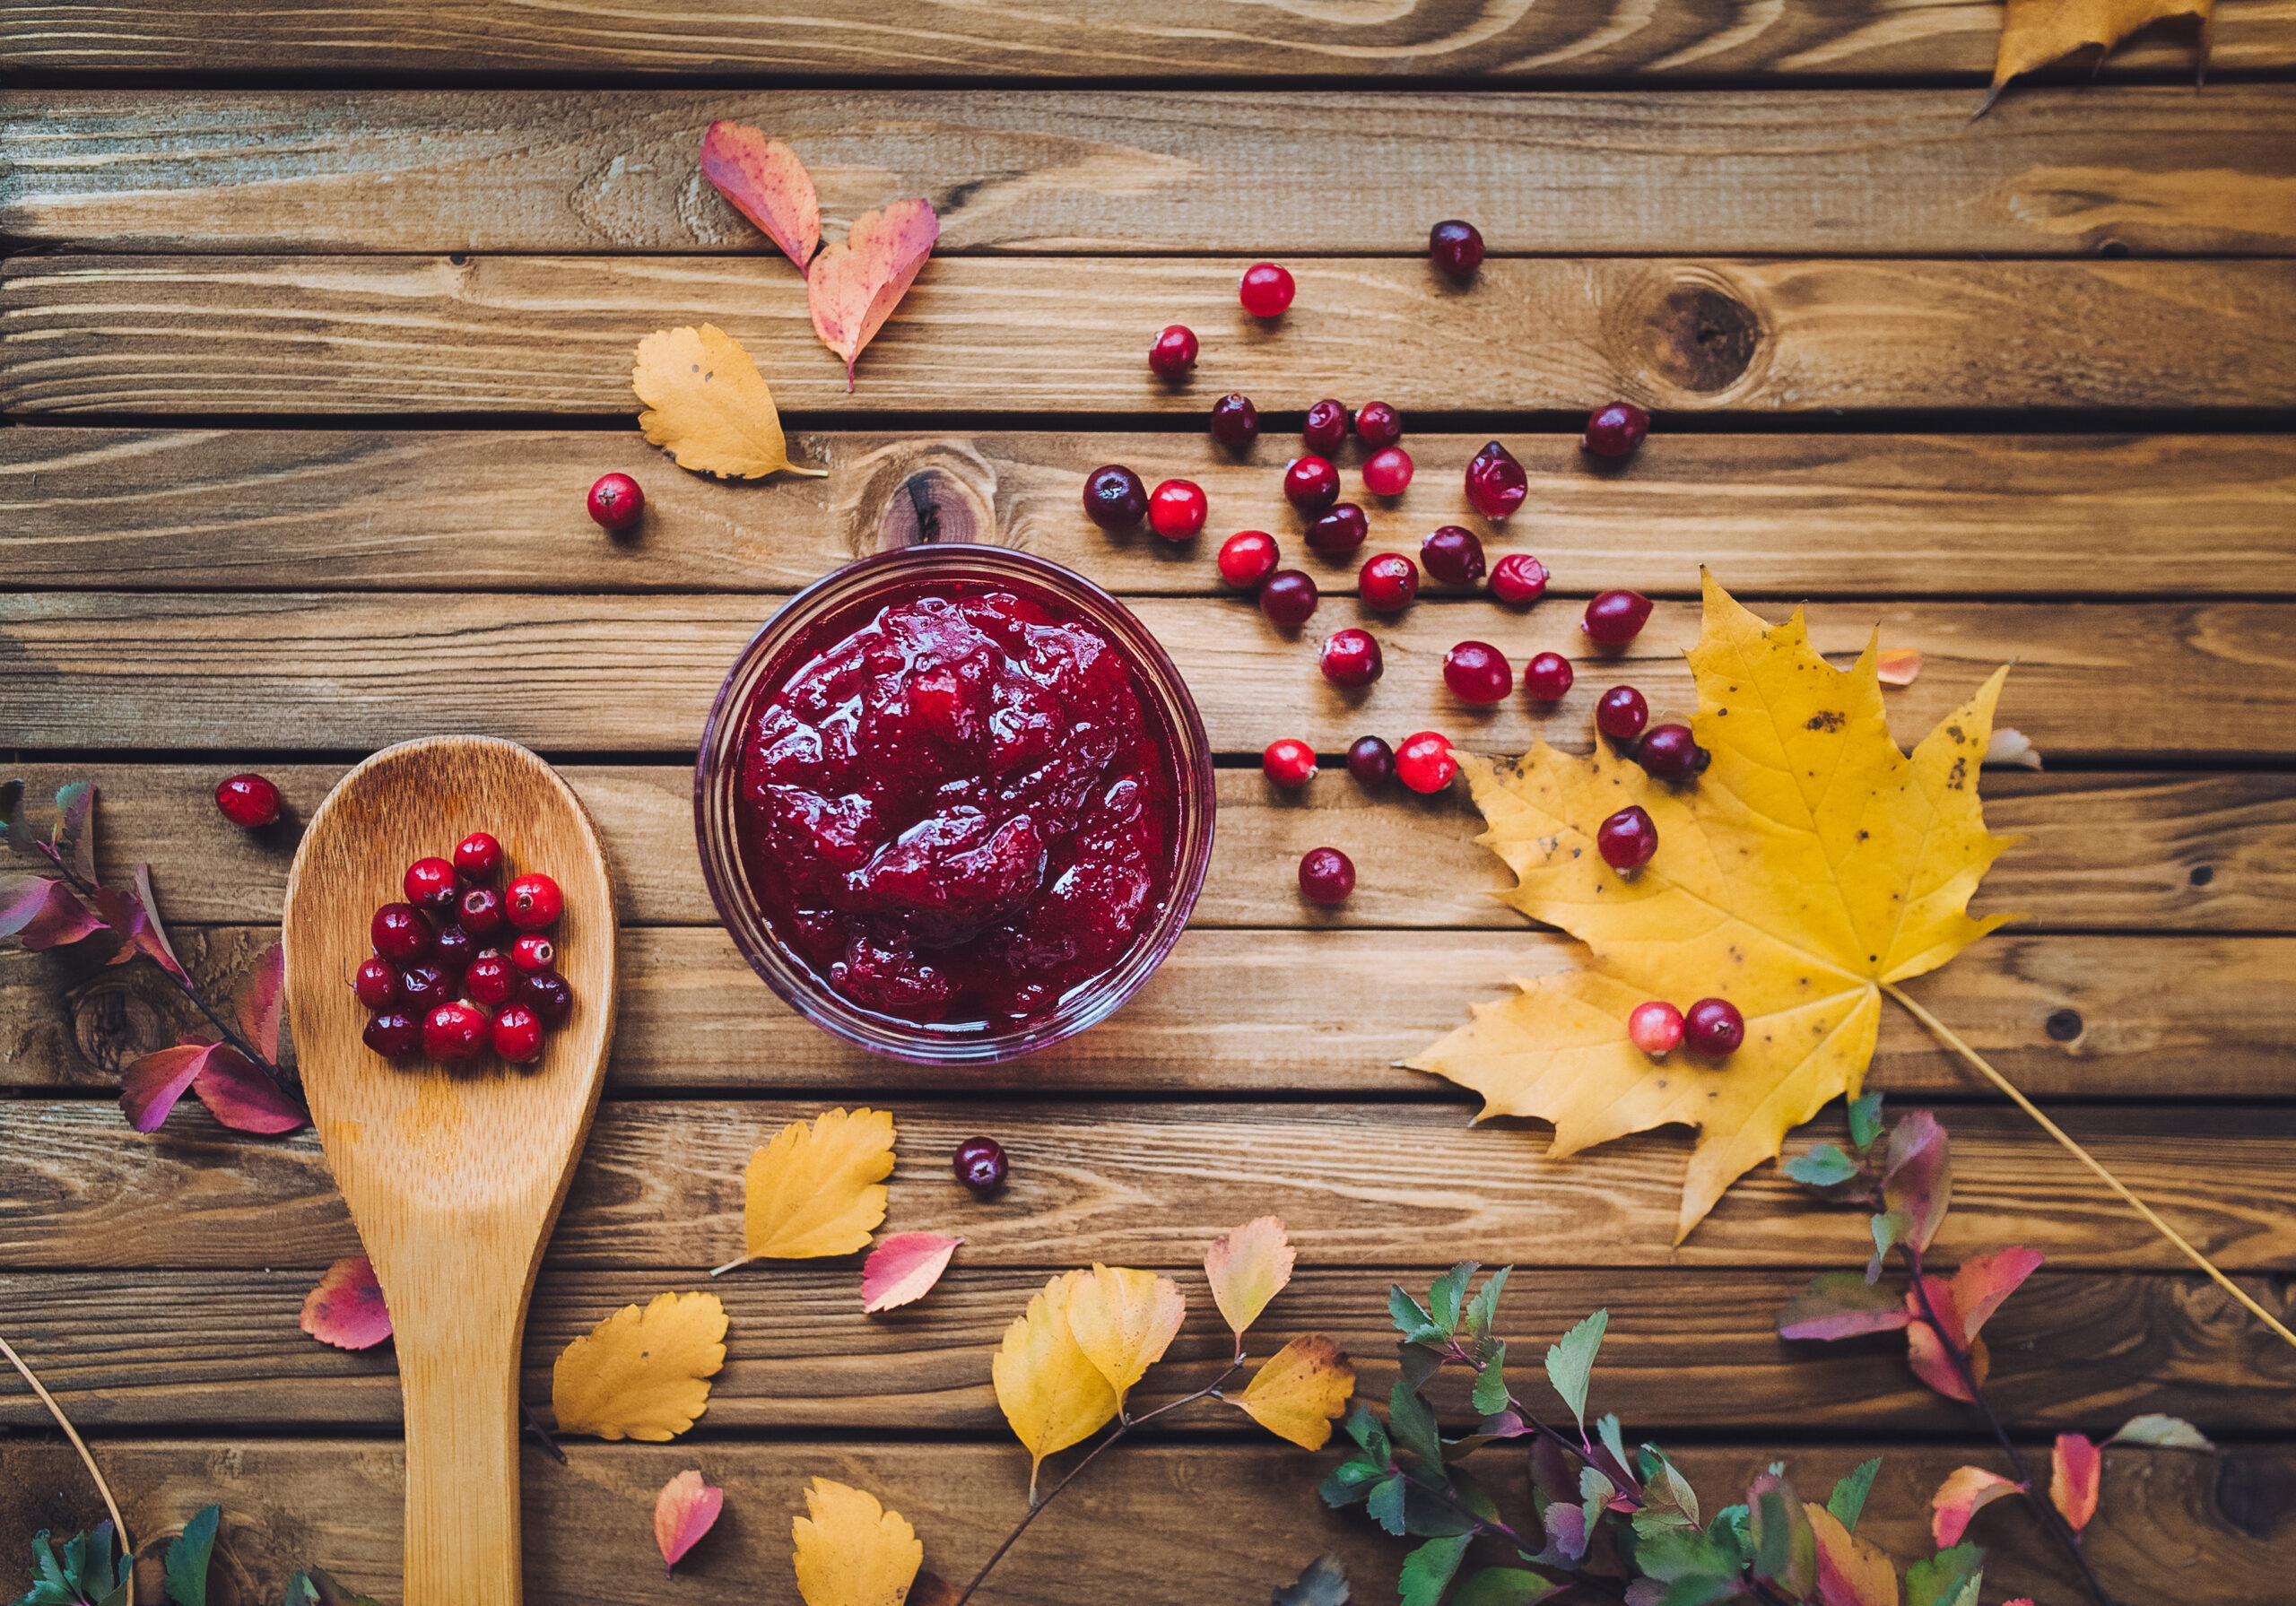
(453, 1175)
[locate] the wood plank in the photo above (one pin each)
(1691, 1350)
(1786, 515)
(2100, 682)
(660, 1186)
(476, 334)
(1849, 172)
(1161, 1524)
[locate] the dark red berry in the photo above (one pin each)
(1341, 529)
(1453, 555)
(546, 993)
(1547, 677)
(429, 884)
(455, 1031)
(1173, 352)
(1714, 1028)
(1456, 247)
(1266, 289)
(1387, 583)
(1496, 483)
(1377, 426)
(453, 950)
(477, 857)
(377, 984)
(425, 986)
(1371, 761)
(533, 951)
(1671, 753)
(1519, 577)
(980, 1165)
(1235, 421)
(1289, 763)
(1247, 557)
(533, 902)
(1622, 713)
(1288, 597)
(1311, 485)
(1325, 428)
(1654, 1028)
(1327, 875)
(1350, 657)
(1615, 618)
(1627, 839)
(1425, 763)
(393, 1034)
(1114, 498)
(247, 800)
(1614, 430)
(516, 1034)
(616, 502)
(1387, 473)
(481, 911)
(1477, 672)
(400, 934)
(1176, 508)
(491, 980)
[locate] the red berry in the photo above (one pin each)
(1311, 485)
(429, 884)
(546, 993)
(1614, 430)
(1477, 672)
(1114, 497)
(1288, 597)
(1377, 426)
(392, 1034)
(1615, 618)
(247, 800)
(1627, 839)
(980, 1165)
(477, 857)
(1456, 247)
(455, 1031)
(1519, 577)
(1453, 555)
(1266, 289)
(1387, 583)
(533, 902)
(1173, 353)
(616, 502)
(1176, 509)
(1339, 530)
(1425, 763)
(491, 980)
(1547, 677)
(1371, 761)
(1714, 1028)
(518, 1034)
(1327, 875)
(376, 983)
(400, 934)
(1496, 483)
(533, 951)
(1654, 1028)
(1671, 753)
(1350, 657)
(1289, 763)
(1247, 557)
(481, 911)
(1622, 713)
(1325, 428)
(1235, 421)
(1387, 473)
(453, 952)
(425, 987)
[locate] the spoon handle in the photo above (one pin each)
(459, 1372)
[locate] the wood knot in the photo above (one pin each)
(1703, 338)
(929, 507)
(114, 1026)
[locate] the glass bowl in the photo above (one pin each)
(770, 656)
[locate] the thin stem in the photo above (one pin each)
(1946, 1033)
(118, 1523)
(535, 1426)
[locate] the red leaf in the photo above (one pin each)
(1841, 1305)
(1935, 1368)
(768, 185)
(129, 914)
(683, 1512)
(2072, 1484)
(44, 914)
(259, 1004)
(346, 1309)
(1984, 1281)
(1967, 1491)
(242, 1095)
(856, 283)
(149, 1090)
(904, 1268)
(1918, 1177)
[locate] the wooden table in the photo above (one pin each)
(320, 322)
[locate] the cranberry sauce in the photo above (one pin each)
(960, 807)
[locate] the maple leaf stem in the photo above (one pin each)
(1953, 1040)
(118, 1523)
(549, 1442)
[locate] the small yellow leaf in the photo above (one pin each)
(1302, 1390)
(2037, 33)
(708, 406)
(851, 1551)
(642, 1374)
(1051, 1394)
(1124, 1321)
(820, 1189)
(1851, 1571)
(1249, 1268)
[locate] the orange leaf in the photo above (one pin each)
(1898, 666)
(1851, 1571)
(1985, 1281)
(683, 1512)
(1927, 1355)
(1300, 1392)
(1246, 1269)
(642, 1374)
(2037, 33)
(1049, 1389)
(708, 406)
(903, 1269)
(2072, 1484)
(1124, 1321)
(856, 283)
(851, 1551)
(768, 185)
(1961, 1496)
(346, 1309)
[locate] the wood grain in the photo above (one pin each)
(2122, 682)
(554, 334)
(2050, 172)
(1785, 516)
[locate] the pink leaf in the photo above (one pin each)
(1969, 1491)
(2072, 1484)
(259, 1004)
(130, 915)
(242, 1095)
(149, 1090)
(1898, 666)
(1984, 1281)
(44, 914)
(346, 1309)
(1841, 1305)
(768, 185)
(683, 1512)
(904, 1268)
(1918, 1175)
(856, 283)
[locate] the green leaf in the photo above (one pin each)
(1667, 1493)
(1364, 1428)
(1504, 1586)
(188, 1554)
(1822, 1166)
(1732, 1531)
(1419, 1363)
(1890, 1230)
(1408, 1313)
(1785, 1547)
(1596, 1492)
(1446, 1299)
(1865, 1120)
(1483, 1309)
(1489, 1395)
(1412, 1422)
(1700, 1591)
(1345, 1484)
(1322, 1582)
(1668, 1554)
(1571, 1363)
(1847, 1501)
(1427, 1572)
(1385, 1505)
(1606, 1428)
(1949, 1578)
(2161, 1433)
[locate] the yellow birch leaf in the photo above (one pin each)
(1124, 1321)
(1851, 1571)
(851, 1551)
(1050, 1393)
(708, 406)
(1812, 863)
(642, 1374)
(1302, 1390)
(819, 1190)
(2037, 33)
(1246, 1269)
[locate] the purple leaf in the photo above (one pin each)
(130, 913)
(1918, 1177)
(73, 838)
(237, 1093)
(44, 914)
(1566, 1531)
(1551, 1473)
(149, 1091)
(1838, 1305)
(259, 1005)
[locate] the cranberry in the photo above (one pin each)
(1615, 618)
(1622, 713)
(1289, 763)
(392, 1034)
(1387, 473)
(1614, 430)
(1235, 421)
(247, 800)
(1388, 583)
(481, 911)
(616, 502)
(1371, 761)
(1327, 875)
(491, 980)
(376, 983)
(1496, 483)
(1287, 598)
(1456, 248)
(1350, 658)
(1176, 509)
(1519, 577)
(1671, 753)
(518, 1034)
(1247, 557)
(1627, 839)
(1377, 426)
(1325, 428)
(454, 950)
(477, 857)
(1425, 763)
(533, 951)
(455, 1031)
(425, 987)
(1547, 677)
(980, 1165)
(1340, 530)
(1173, 352)
(533, 902)
(1311, 485)
(1453, 555)
(1477, 672)
(399, 934)
(546, 993)
(1114, 497)
(429, 884)
(1654, 1028)
(1266, 289)
(1714, 1028)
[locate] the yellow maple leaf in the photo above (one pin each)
(2037, 33)
(818, 1189)
(1124, 1321)
(1246, 1269)
(1049, 1392)
(1850, 1568)
(708, 406)
(851, 1551)
(642, 1374)
(1811, 863)
(1301, 1390)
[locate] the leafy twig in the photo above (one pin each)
(118, 1523)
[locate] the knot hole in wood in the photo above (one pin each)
(934, 495)
(1702, 337)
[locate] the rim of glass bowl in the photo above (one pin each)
(717, 781)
